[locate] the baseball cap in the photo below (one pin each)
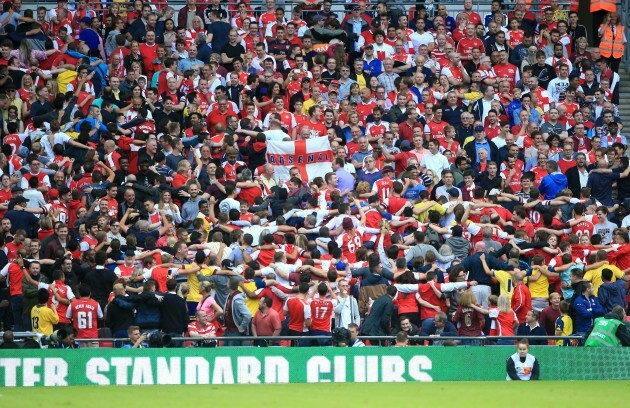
(86, 20)
(16, 189)
(340, 266)
(387, 169)
(478, 128)
(335, 82)
(53, 193)
(318, 18)
(130, 252)
(405, 145)
(347, 223)
(20, 199)
(227, 264)
(453, 192)
(368, 46)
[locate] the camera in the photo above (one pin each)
(52, 340)
(58, 335)
(341, 337)
(159, 340)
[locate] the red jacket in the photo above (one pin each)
(521, 301)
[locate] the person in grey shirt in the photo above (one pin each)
(221, 280)
(190, 209)
(491, 245)
(421, 249)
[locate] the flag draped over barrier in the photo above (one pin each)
(313, 157)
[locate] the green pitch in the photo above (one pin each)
(449, 394)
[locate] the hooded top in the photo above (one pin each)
(552, 184)
(611, 294)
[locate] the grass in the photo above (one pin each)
(444, 394)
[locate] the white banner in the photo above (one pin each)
(313, 157)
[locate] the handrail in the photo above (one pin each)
(479, 5)
(323, 337)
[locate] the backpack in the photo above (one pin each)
(433, 237)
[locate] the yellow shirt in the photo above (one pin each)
(206, 222)
(17, 102)
(361, 81)
(468, 140)
(473, 96)
(595, 276)
(193, 281)
(564, 326)
(540, 287)
(505, 283)
(43, 319)
(422, 217)
(252, 304)
(307, 105)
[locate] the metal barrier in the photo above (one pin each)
(624, 8)
(481, 339)
(454, 8)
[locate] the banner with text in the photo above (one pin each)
(298, 365)
(313, 157)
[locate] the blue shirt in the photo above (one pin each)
(345, 180)
(414, 192)
(344, 89)
(187, 63)
(601, 186)
(484, 145)
(373, 68)
(92, 122)
(370, 177)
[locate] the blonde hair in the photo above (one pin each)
(363, 187)
(301, 241)
(184, 289)
(206, 286)
(467, 299)
(504, 303)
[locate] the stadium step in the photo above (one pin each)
(624, 95)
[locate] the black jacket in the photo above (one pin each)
(101, 281)
(378, 322)
(174, 314)
(573, 181)
(471, 150)
(119, 314)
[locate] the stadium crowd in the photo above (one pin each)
(479, 183)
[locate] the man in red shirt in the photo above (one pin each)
(63, 295)
(435, 128)
(14, 271)
(505, 70)
(366, 105)
(466, 45)
(350, 240)
(84, 314)
(567, 161)
(266, 322)
(148, 50)
(299, 315)
(512, 175)
(218, 115)
(322, 312)
(472, 16)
